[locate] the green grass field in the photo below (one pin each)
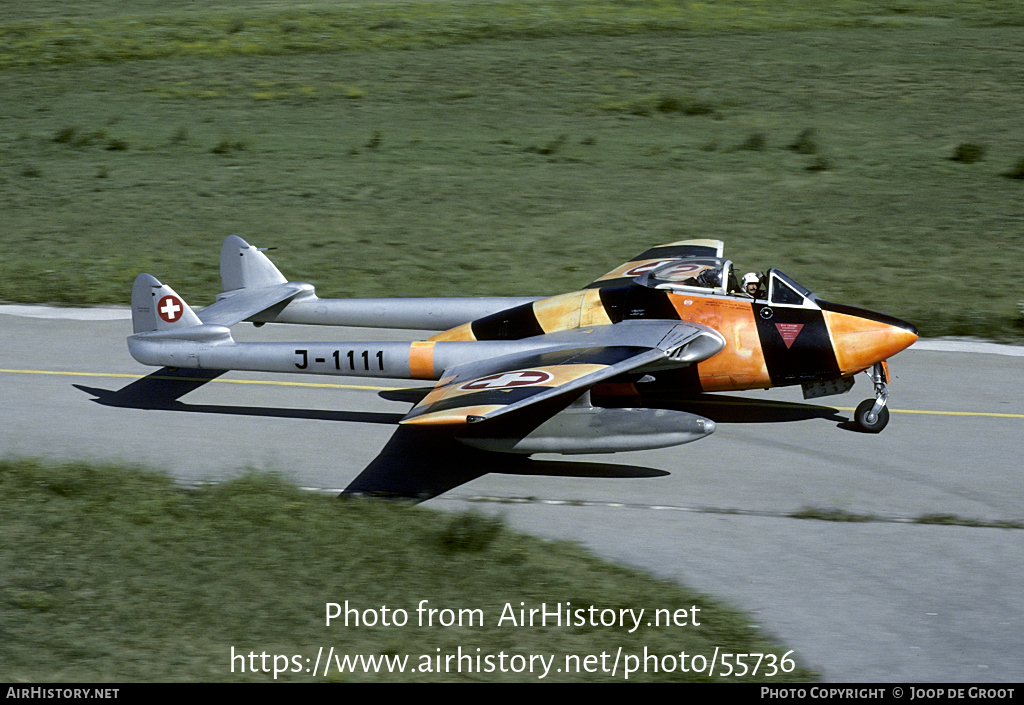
(461, 148)
(114, 574)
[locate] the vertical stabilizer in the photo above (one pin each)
(156, 306)
(243, 266)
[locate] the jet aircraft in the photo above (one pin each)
(580, 372)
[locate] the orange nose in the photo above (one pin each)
(862, 338)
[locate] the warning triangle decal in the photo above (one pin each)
(789, 332)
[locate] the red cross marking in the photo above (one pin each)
(170, 308)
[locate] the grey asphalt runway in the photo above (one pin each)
(880, 600)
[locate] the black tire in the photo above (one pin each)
(860, 417)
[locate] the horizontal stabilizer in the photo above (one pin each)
(251, 284)
(235, 306)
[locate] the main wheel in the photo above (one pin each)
(860, 417)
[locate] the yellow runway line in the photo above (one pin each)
(372, 388)
(196, 379)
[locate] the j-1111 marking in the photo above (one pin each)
(350, 355)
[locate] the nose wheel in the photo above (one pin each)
(871, 415)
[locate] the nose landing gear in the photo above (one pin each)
(871, 415)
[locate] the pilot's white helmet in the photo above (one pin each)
(750, 278)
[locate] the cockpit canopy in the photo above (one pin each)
(715, 275)
(709, 275)
(785, 291)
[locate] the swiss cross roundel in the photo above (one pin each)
(520, 378)
(170, 308)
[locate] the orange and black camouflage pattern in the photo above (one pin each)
(766, 346)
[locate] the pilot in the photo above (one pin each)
(750, 284)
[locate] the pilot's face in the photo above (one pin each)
(752, 288)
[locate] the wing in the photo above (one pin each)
(572, 363)
(657, 256)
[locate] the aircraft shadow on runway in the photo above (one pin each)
(420, 463)
(415, 463)
(163, 389)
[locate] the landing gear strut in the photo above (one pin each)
(871, 415)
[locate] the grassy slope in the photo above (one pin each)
(113, 574)
(509, 148)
